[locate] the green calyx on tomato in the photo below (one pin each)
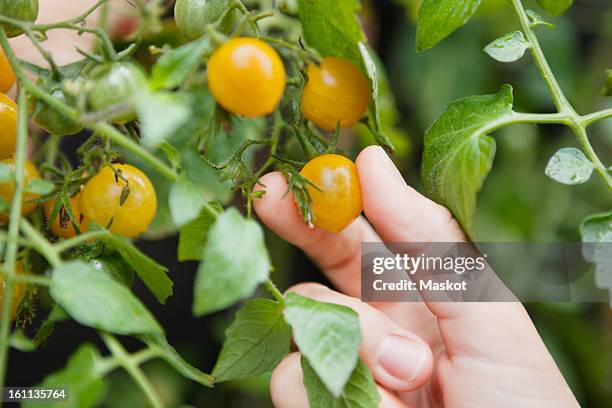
(115, 86)
(194, 16)
(22, 10)
(50, 119)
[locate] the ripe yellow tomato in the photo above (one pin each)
(64, 228)
(16, 295)
(6, 189)
(337, 202)
(8, 126)
(7, 76)
(102, 195)
(246, 76)
(336, 90)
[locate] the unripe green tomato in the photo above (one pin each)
(23, 10)
(115, 85)
(115, 267)
(193, 16)
(53, 121)
(289, 7)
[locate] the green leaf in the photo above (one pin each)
(6, 173)
(608, 87)
(235, 262)
(255, 342)
(161, 113)
(370, 67)
(439, 18)
(174, 66)
(569, 166)
(192, 236)
(537, 20)
(458, 153)
(39, 186)
(508, 48)
(331, 27)
(152, 274)
(84, 385)
(360, 391)
(597, 228)
(95, 299)
(21, 342)
(555, 7)
(186, 201)
(170, 355)
(326, 334)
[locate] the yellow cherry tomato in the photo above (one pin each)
(64, 227)
(17, 293)
(130, 205)
(6, 189)
(337, 201)
(246, 76)
(336, 90)
(7, 76)
(8, 126)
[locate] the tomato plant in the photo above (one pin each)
(336, 91)
(246, 76)
(7, 188)
(113, 88)
(8, 126)
(334, 190)
(21, 10)
(53, 121)
(7, 76)
(178, 117)
(120, 196)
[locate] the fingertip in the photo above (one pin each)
(287, 384)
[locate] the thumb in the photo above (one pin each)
(496, 331)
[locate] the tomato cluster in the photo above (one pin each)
(247, 77)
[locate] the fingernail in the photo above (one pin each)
(401, 357)
(389, 166)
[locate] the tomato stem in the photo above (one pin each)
(277, 294)
(10, 255)
(132, 367)
(572, 119)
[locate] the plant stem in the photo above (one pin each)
(278, 295)
(13, 230)
(127, 362)
(572, 119)
(39, 243)
(596, 116)
(557, 94)
(33, 279)
(78, 240)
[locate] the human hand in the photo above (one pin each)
(429, 354)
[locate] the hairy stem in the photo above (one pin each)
(576, 122)
(277, 294)
(542, 64)
(133, 369)
(13, 231)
